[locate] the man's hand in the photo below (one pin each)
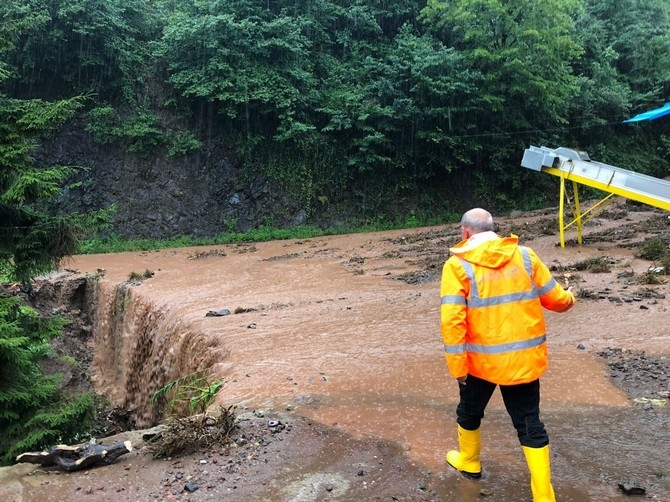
(461, 380)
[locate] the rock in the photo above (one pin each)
(632, 489)
(190, 486)
(217, 313)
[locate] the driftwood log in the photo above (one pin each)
(75, 458)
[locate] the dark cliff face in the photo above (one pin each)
(156, 196)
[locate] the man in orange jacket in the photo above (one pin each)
(493, 292)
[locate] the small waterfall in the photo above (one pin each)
(140, 347)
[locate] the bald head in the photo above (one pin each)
(477, 220)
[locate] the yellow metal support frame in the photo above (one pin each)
(579, 218)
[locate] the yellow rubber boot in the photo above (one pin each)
(467, 459)
(540, 473)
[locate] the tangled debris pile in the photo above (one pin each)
(185, 435)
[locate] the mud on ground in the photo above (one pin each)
(307, 459)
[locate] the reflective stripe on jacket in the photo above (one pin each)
(492, 323)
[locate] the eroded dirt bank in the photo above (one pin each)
(339, 336)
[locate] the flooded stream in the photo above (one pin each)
(327, 328)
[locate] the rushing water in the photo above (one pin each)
(322, 328)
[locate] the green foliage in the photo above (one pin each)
(405, 115)
(140, 131)
(33, 412)
(189, 395)
(264, 233)
(64, 422)
(181, 143)
(369, 100)
(653, 249)
(637, 35)
(648, 277)
(596, 264)
(33, 239)
(114, 244)
(102, 124)
(252, 64)
(521, 52)
(79, 45)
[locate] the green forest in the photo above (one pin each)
(392, 108)
(403, 103)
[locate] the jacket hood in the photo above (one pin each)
(487, 249)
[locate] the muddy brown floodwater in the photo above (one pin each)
(338, 338)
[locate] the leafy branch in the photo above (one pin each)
(192, 393)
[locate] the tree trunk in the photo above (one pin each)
(75, 458)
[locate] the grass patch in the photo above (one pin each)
(648, 278)
(140, 276)
(656, 250)
(653, 249)
(263, 233)
(595, 265)
(586, 293)
(665, 264)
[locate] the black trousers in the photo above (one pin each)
(522, 403)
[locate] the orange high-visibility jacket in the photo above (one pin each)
(491, 318)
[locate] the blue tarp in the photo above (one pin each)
(651, 114)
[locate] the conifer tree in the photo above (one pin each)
(32, 239)
(34, 413)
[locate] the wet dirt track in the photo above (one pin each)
(344, 331)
